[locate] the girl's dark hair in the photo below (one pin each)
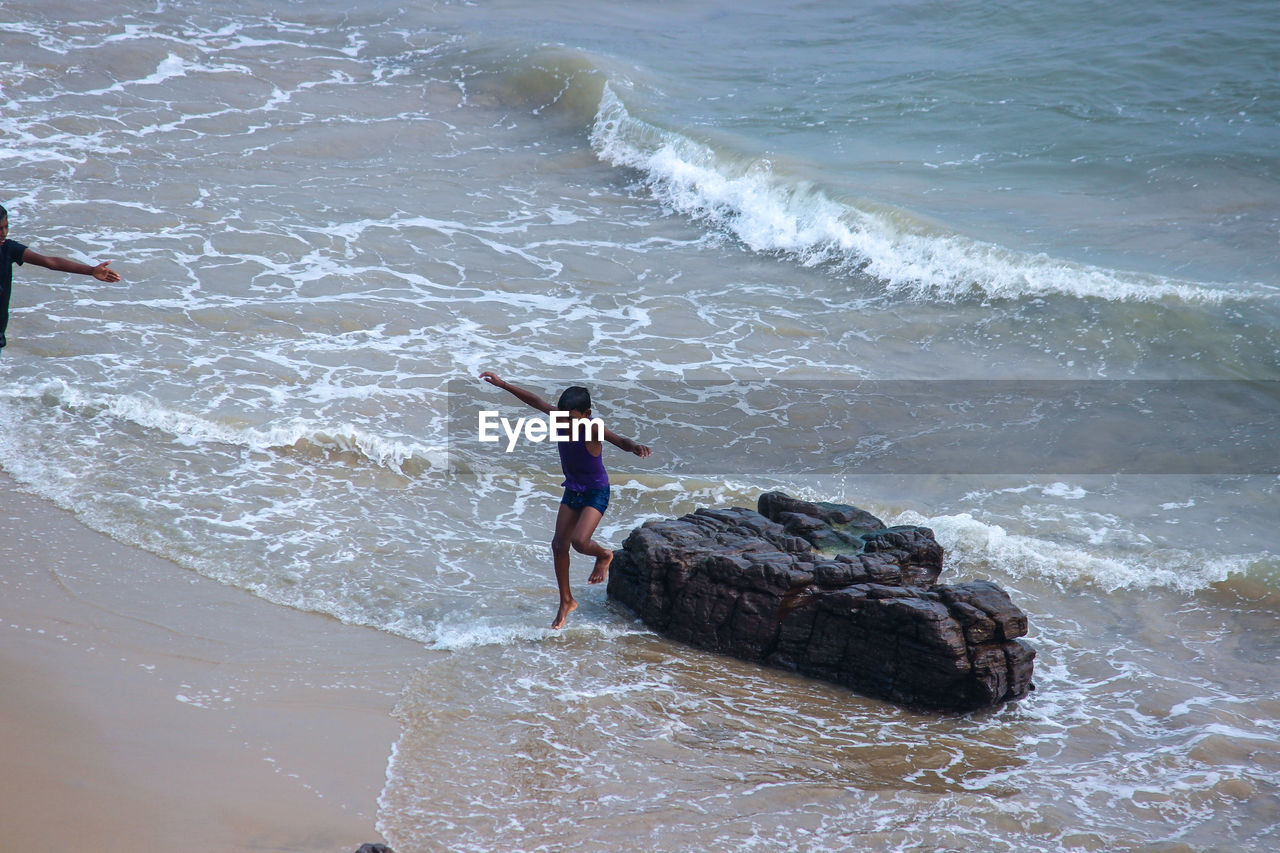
(574, 399)
(4, 214)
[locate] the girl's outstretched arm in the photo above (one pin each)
(527, 397)
(627, 444)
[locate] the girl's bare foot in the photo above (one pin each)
(562, 616)
(601, 570)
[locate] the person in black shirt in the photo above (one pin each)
(12, 252)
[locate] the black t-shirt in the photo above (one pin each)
(11, 252)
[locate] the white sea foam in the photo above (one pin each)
(1064, 491)
(798, 219)
(190, 428)
(971, 543)
(459, 634)
(1061, 490)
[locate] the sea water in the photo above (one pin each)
(723, 218)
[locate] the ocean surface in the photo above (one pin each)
(739, 224)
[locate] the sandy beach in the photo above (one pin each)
(147, 708)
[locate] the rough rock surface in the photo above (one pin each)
(829, 591)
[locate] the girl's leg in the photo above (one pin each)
(566, 521)
(588, 519)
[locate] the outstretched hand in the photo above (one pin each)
(102, 273)
(642, 450)
(491, 377)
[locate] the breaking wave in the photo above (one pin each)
(748, 198)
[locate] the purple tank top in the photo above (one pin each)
(582, 471)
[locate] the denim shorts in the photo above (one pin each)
(579, 498)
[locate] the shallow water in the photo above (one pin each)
(330, 220)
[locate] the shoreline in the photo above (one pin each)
(147, 707)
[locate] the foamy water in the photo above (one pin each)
(330, 220)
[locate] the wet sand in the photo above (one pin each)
(147, 708)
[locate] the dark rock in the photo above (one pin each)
(374, 848)
(830, 591)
